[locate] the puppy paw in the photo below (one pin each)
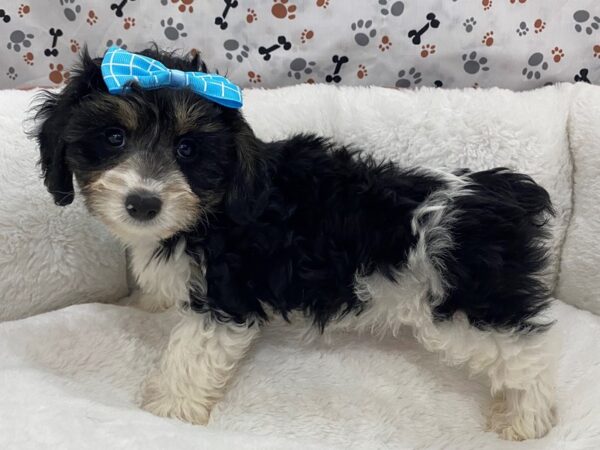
(519, 425)
(145, 302)
(158, 399)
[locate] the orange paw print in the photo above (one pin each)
(92, 18)
(362, 72)
(323, 3)
(487, 4)
(128, 23)
(306, 35)
(186, 5)
(251, 16)
(254, 77)
(557, 54)
(539, 25)
(427, 50)
(515, 1)
(74, 46)
(23, 10)
(385, 43)
(488, 39)
(281, 9)
(310, 81)
(57, 74)
(28, 58)
(596, 51)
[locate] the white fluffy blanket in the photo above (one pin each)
(70, 378)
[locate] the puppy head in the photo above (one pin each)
(150, 163)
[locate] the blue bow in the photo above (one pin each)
(120, 68)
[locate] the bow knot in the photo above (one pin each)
(120, 68)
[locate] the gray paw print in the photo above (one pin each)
(581, 17)
(535, 64)
(18, 39)
(299, 66)
(523, 29)
(406, 80)
(70, 11)
(473, 65)
(118, 43)
(173, 31)
(12, 74)
(231, 45)
(363, 35)
(469, 24)
(396, 9)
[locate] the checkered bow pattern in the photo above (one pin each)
(120, 68)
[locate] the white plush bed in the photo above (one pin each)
(69, 378)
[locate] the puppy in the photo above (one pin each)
(232, 230)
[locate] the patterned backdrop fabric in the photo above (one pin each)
(517, 44)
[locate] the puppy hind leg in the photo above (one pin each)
(196, 366)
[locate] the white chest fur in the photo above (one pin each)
(165, 282)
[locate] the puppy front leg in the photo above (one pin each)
(195, 368)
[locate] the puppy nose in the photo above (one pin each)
(143, 205)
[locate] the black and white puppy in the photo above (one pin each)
(233, 230)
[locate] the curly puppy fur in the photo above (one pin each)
(241, 230)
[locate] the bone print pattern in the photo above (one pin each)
(515, 44)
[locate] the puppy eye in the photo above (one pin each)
(186, 150)
(115, 137)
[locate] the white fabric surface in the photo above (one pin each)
(70, 378)
(49, 257)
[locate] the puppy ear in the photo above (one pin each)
(247, 193)
(54, 114)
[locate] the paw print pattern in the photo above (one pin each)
(427, 50)
(71, 10)
(23, 10)
(251, 16)
(487, 4)
(119, 43)
(582, 19)
(92, 18)
(4, 16)
(557, 54)
(488, 39)
(523, 29)
(128, 23)
(473, 64)
(184, 5)
(57, 74)
(19, 39)
(306, 35)
(233, 46)
(282, 9)
(596, 50)
(469, 24)
(362, 72)
(28, 58)
(254, 77)
(323, 3)
(12, 73)
(535, 64)
(408, 79)
(364, 32)
(74, 45)
(538, 26)
(299, 66)
(389, 7)
(172, 30)
(385, 43)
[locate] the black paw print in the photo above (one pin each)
(231, 45)
(469, 24)
(396, 9)
(536, 64)
(71, 9)
(523, 29)
(364, 33)
(12, 73)
(118, 43)
(18, 39)
(581, 17)
(473, 65)
(173, 31)
(408, 79)
(299, 66)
